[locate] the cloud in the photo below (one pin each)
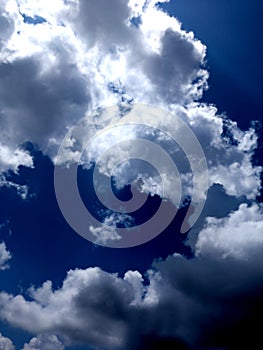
(5, 256)
(239, 235)
(173, 303)
(7, 25)
(107, 232)
(88, 55)
(174, 69)
(100, 24)
(228, 156)
(12, 158)
(44, 342)
(6, 343)
(39, 101)
(39, 104)
(154, 54)
(91, 303)
(81, 58)
(22, 190)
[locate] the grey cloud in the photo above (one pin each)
(102, 22)
(6, 29)
(173, 75)
(40, 105)
(90, 308)
(174, 70)
(218, 298)
(49, 87)
(7, 25)
(193, 304)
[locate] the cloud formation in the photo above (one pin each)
(108, 60)
(44, 342)
(87, 55)
(6, 343)
(175, 300)
(41, 101)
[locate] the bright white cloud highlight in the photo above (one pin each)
(239, 235)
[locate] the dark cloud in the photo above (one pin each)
(224, 296)
(160, 343)
(40, 101)
(202, 303)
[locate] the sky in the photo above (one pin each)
(131, 174)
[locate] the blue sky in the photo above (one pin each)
(61, 62)
(230, 30)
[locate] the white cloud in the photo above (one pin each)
(90, 308)
(22, 190)
(229, 162)
(44, 342)
(12, 158)
(39, 101)
(136, 280)
(7, 26)
(159, 64)
(107, 232)
(5, 256)
(6, 343)
(239, 235)
(246, 175)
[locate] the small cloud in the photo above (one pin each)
(44, 342)
(107, 232)
(5, 256)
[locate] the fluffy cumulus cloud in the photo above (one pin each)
(12, 158)
(99, 50)
(59, 61)
(6, 343)
(89, 304)
(44, 342)
(174, 303)
(84, 55)
(239, 235)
